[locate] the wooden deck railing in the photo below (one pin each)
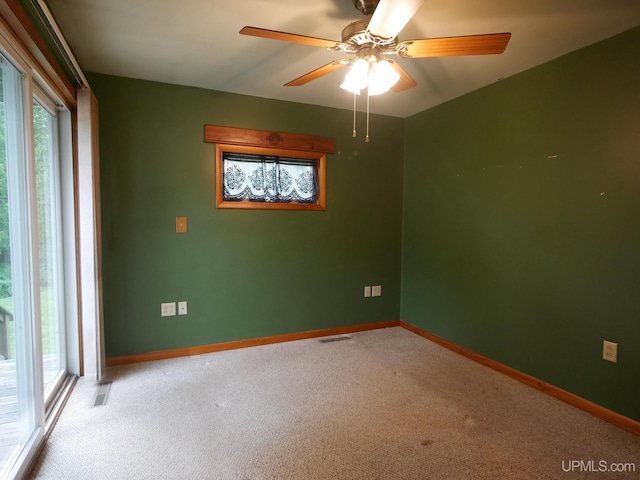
(6, 317)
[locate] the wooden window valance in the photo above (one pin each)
(268, 139)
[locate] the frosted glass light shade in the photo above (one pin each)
(382, 78)
(357, 78)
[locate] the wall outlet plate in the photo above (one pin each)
(610, 351)
(168, 309)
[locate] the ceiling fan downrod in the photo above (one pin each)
(367, 7)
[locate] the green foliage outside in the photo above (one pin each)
(43, 137)
(5, 267)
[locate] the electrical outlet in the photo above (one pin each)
(610, 351)
(168, 309)
(376, 291)
(182, 308)
(367, 291)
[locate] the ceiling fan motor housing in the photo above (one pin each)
(354, 33)
(355, 36)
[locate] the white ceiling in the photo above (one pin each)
(196, 43)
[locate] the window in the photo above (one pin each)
(280, 179)
(268, 170)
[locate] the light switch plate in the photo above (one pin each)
(367, 291)
(376, 291)
(181, 224)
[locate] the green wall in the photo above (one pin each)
(521, 235)
(245, 273)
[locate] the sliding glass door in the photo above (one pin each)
(32, 291)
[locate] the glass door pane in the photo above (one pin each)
(49, 246)
(18, 407)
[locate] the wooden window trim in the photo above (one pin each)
(321, 158)
(263, 142)
(36, 51)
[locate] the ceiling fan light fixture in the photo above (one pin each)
(350, 86)
(376, 75)
(357, 77)
(382, 78)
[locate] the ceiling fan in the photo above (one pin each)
(371, 40)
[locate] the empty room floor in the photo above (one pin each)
(381, 404)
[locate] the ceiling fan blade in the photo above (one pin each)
(290, 37)
(406, 81)
(493, 43)
(317, 73)
(391, 16)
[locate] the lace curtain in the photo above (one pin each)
(262, 178)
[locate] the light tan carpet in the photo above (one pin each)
(386, 404)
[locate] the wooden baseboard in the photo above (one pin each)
(592, 408)
(219, 347)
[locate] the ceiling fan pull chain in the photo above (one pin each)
(354, 116)
(367, 137)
